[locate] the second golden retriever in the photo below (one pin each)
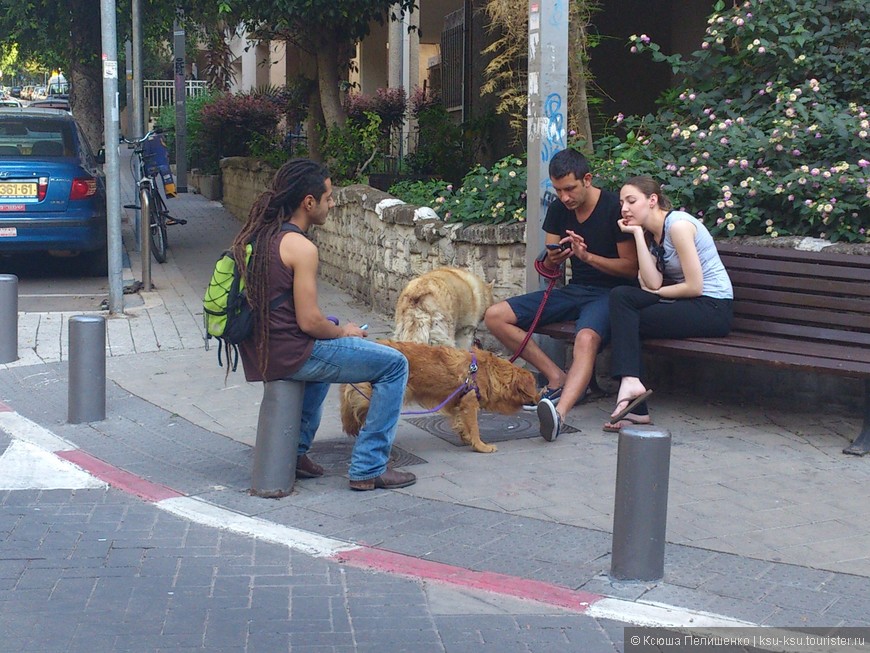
(437, 371)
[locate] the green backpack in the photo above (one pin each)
(227, 315)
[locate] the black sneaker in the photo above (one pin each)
(550, 421)
(552, 394)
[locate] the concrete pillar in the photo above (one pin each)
(277, 439)
(641, 504)
(8, 318)
(87, 369)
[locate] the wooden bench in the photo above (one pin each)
(793, 310)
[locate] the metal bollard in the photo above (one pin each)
(641, 505)
(277, 439)
(8, 318)
(87, 369)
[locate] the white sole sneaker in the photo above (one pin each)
(550, 421)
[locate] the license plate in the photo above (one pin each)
(8, 232)
(11, 189)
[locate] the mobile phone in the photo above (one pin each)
(555, 246)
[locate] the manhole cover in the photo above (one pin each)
(334, 455)
(494, 427)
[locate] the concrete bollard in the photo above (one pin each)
(87, 369)
(641, 505)
(8, 318)
(277, 439)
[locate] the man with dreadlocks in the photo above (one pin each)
(293, 340)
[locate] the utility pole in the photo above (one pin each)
(180, 107)
(138, 79)
(547, 118)
(112, 166)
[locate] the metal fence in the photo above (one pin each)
(453, 60)
(161, 92)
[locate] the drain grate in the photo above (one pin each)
(334, 455)
(494, 427)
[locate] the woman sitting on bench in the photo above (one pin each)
(685, 291)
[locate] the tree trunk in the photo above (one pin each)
(86, 79)
(86, 101)
(578, 102)
(328, 80)
(313, 126)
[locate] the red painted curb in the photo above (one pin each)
(404, 565)
(118, 478)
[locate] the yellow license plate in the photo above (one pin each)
(17, 189)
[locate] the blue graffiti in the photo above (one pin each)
(557, 13)
(547, 194)
(554, 136)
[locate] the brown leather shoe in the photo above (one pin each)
(307, 468)
(389, 480)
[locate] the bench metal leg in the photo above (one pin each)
(861, 445)
(277, 439)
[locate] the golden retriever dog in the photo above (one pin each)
(435, 373)
(442, 307)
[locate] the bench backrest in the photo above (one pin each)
(807, 295)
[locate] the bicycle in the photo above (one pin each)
(146, 180)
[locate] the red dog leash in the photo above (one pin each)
(553, 276)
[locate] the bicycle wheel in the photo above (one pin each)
(157, 220)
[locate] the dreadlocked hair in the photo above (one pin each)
(294, 181)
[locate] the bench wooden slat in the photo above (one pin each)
(811, 285)
(763, 342)
(850, 304)
(761, 254)
(811, 317)
(720, 350)
(806, 269)
(753, 324)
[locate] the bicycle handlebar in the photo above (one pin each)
(139, 141)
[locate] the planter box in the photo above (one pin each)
(209, 186)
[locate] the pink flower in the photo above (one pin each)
(863, 163)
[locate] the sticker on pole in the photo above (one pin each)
(110, 69)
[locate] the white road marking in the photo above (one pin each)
(25, 466)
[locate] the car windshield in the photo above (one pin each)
(35, 136)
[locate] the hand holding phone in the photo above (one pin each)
(554, 246)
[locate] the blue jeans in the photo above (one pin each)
(356, 360)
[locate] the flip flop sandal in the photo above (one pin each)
(611, 427)
(632, 403)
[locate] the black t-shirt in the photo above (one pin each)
(600, 231)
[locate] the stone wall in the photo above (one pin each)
(372, 245)
(242, 181)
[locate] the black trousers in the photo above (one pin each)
(636, 315)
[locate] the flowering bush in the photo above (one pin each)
(768, 131)
(230, 121)
(493, 196)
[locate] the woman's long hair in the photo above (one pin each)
(293, 182)
(649, 186)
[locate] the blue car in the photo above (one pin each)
(52, 188)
